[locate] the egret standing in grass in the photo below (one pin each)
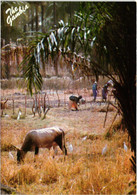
(84, 138)
(125, 147)
(104, 150)
(11, 156)
(19, 115)
(70, 148)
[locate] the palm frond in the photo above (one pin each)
(32, 75)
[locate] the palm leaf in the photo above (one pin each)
(32, 75)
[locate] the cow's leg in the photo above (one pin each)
(58, 140)
(36, 153)
(36, 150)
(55, 151)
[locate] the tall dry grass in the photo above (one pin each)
(85, 171)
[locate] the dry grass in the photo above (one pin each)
(84, 171)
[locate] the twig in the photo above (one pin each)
(4, 179)
(48, 99)
(106, 115)
(113, 105)
(13, 104)
(46, 112)
(113, 120)
(118, 112)
(58, 98)
(44, 103)
(25, 104)
(64, 98)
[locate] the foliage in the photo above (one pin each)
(72, 40)
(118, 41)
(40, 17)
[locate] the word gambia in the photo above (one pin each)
(15, 12)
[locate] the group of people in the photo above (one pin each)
(104, 90)
(74, 101)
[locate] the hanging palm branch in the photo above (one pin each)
(67, 39)
(32, 75)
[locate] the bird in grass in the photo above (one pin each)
(84, 138)
(125, 147)
(11, 156)
(104, 150)
(19, 114)
(70, 147)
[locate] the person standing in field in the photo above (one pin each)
(94, 89)
(104, 92)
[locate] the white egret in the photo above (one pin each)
(104, 150)
(84, 138)
(125, 147)
(70, 147)
(19, 114)
(11, 156)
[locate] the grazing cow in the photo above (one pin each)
(42, 138)
(73, 101)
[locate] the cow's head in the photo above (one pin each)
(20, 155)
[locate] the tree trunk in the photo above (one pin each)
(36, 17)
(42, 18)
(127, 103)
(32, 18)
(54, 13)
(56, 64)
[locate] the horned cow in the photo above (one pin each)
(42, 138)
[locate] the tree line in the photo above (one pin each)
(39, 17)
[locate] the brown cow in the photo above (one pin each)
(42, 138)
